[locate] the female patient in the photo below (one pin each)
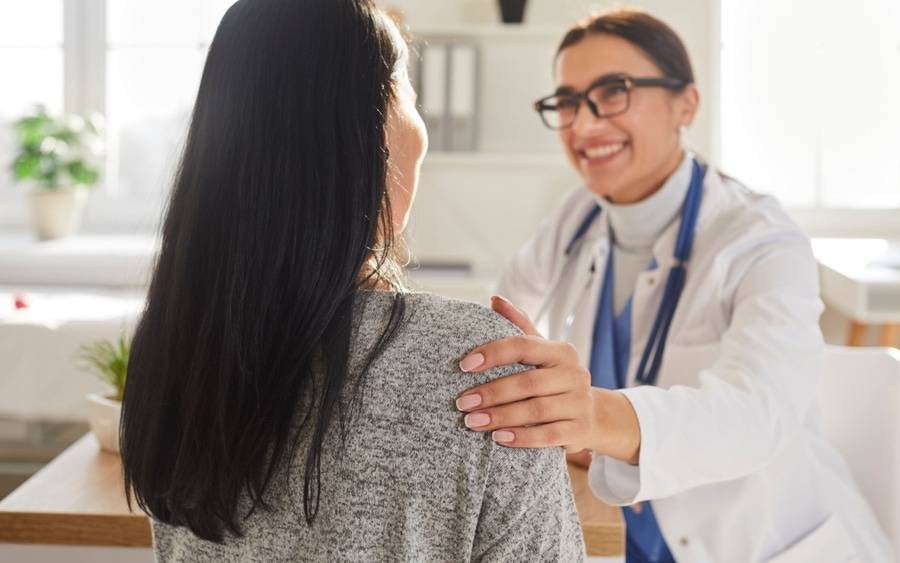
(286, 400)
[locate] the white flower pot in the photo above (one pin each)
(56, 213)
(103, 416)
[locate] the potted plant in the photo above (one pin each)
(56, 157)
(108, 361)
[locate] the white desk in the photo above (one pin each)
(860, 278)
(40, 377)
(82, 289)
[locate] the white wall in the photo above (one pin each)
(480, 209)
(484, 210)
(696, 21)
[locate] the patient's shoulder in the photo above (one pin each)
(432, 318)
(434, 334)
(461, 321)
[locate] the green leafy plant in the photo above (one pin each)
(109, 361)
(57, 151)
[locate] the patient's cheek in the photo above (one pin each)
(406, 142)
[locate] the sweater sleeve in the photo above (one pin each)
(527, 506)
(528, 513)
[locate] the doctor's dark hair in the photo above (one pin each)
(653, 36)
(279, 214)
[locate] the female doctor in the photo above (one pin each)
(682, 313)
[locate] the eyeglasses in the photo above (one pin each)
(606, 97)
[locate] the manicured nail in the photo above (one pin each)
(477, 420)
(468, 402)
(472, 362)
(503, 436)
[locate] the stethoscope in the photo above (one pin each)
(651, 358)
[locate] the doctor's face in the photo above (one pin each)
(627, 157)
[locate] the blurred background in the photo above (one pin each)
(799, 100)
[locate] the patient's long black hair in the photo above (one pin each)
(278, 204)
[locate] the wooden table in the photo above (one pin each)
(77, 499)
(603, 525)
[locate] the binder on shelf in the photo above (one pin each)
(433, 84)
(447, 80)
(463, 97)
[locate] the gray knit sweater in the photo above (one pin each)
(410, 483)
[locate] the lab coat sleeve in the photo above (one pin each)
(528, 276)
(749, 403)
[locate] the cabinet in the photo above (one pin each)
(477, 207)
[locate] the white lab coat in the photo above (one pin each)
(732, 451)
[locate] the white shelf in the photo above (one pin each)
(88, 260)
(461, 158)
(491, 31)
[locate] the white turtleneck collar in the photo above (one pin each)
(636, 226)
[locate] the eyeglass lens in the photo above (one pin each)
(609, 99)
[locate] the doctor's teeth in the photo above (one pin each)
(605, 150)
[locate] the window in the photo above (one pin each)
(811, 100)
(31, 67)
(810, 95)
(138, 63)
(155, 53)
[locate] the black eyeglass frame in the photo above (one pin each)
(630, 82)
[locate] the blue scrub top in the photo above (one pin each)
(610, 355)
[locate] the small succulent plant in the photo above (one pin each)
(108, 360)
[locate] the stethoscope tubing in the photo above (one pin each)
(675, 281)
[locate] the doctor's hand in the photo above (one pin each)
(551, 405)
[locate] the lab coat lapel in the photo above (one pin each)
(645, 302)
(651, 284)
(585, 290)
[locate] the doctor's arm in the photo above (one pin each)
(743, 413)
(749, 404)
(552, 405)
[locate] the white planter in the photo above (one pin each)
(56, 213)
(103, 416)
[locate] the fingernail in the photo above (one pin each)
(477, 419)
(467, 402)
(501, 298)
(503, 436)
(472, 362)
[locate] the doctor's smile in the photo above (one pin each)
(600, 153)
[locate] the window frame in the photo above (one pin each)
(84, 91)
(84, 85)
(816, 219)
